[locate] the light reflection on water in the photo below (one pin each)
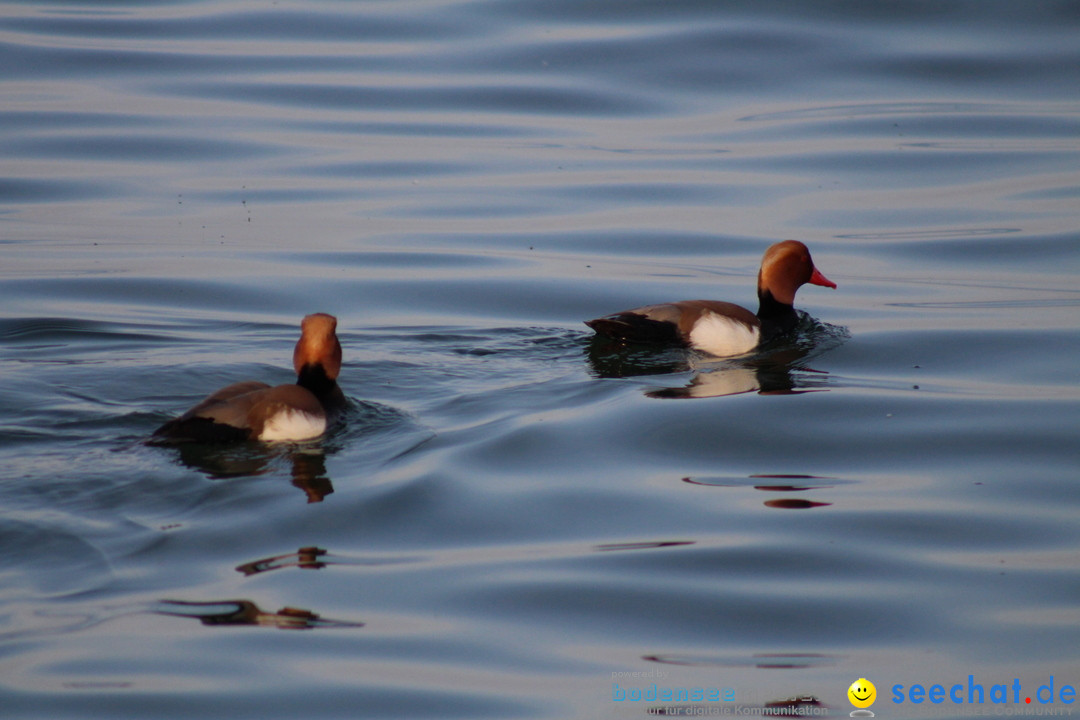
(515, 512)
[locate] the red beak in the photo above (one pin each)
(818, 279)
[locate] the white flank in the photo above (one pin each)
(722, 336)
(293, 425)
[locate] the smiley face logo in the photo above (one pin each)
(862, 693)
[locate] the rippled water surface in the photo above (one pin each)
(515, 521)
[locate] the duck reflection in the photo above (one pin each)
(794, 504)
(777, 503)
(307, 558)
(307, 463)
(309, 475)
(245, 612)
(316, 558)
(776, 371)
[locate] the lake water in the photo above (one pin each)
(514, 522)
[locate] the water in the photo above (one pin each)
(516, 521)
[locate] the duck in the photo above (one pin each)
(253, 410)
(724, 329)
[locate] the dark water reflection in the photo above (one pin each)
(515, 514)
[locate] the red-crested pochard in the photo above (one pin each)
(720, 328)
(253, 410)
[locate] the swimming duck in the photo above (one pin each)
(720, 328)
(253, 410)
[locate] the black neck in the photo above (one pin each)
(776, 318)
(313, 377)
